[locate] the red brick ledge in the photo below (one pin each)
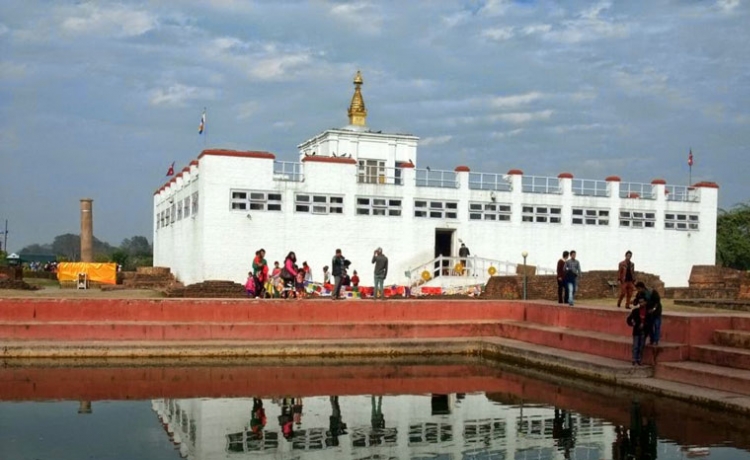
(705, 184)
(658, 182)
(338, 160)
(462, 168)
(613, 179)
(237, 154)
(565, 175)
(515, 172)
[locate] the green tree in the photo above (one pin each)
(134, 252)
(733, 237)
(36, 249)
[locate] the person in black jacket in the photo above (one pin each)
(653, 305)
(337, 270)
(640, 321)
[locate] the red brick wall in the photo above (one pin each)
(592, 285)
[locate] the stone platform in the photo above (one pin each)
(697, 350)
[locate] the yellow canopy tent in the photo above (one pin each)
(96, 272)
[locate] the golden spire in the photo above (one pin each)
(357, 111)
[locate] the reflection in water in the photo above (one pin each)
(639, 441)
(417, 411)
(380, 427)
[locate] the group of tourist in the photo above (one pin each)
(290, 280)
(41, 267)
(287, 280)
(568, 273)
(645, 320)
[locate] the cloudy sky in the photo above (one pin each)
(98, 98)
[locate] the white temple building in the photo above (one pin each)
(357, 189)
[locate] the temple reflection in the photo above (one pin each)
(448, 427)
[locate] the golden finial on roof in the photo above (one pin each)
(357, 111)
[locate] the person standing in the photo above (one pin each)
(626, 279)
(337, 270)
(260, 271)
(463, 253)
(289, 274)
(653, 307)
(639, 321)
(381, 271)
(562, 287)
(572, 274)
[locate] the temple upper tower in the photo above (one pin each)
(357, 110)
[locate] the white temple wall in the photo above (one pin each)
(219, 243)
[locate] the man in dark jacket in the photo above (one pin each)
(381, 271)
(463, 253)
(337, 270)
(562, 287)
(653, 306)
(639, 320)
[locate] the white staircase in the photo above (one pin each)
(451, 272)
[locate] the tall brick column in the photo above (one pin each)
(87, 230)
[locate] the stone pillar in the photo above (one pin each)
(87, 230)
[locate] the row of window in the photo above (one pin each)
(447, 209)
(182, 209)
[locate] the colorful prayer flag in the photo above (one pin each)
(690, 158)
(202, 125)
(170, 171)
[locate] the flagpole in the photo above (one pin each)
(205, 129)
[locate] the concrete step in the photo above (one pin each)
(562, 360)
(597, 319)
(596, 343)
(143, 330)
(244, 310)
(706, 375)
(737, 358)
(732, 338)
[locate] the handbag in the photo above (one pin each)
(285, 274)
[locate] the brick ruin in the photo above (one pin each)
(716, 283)
(597, 284)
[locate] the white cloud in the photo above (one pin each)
(283, 124)
(536, 29)
(562, 129)
(505, 134)
(589, 25)
(498, 33)
(116, 20)
(455, 19)
(516, 100)
(12, 70)
(518, 118)
(259, 60)
(247, 110)
(436, 140)
(178, 95)
(727, 5)
(362, 16)
(495, 7)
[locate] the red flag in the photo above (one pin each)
(690, 158)
(170, 171)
